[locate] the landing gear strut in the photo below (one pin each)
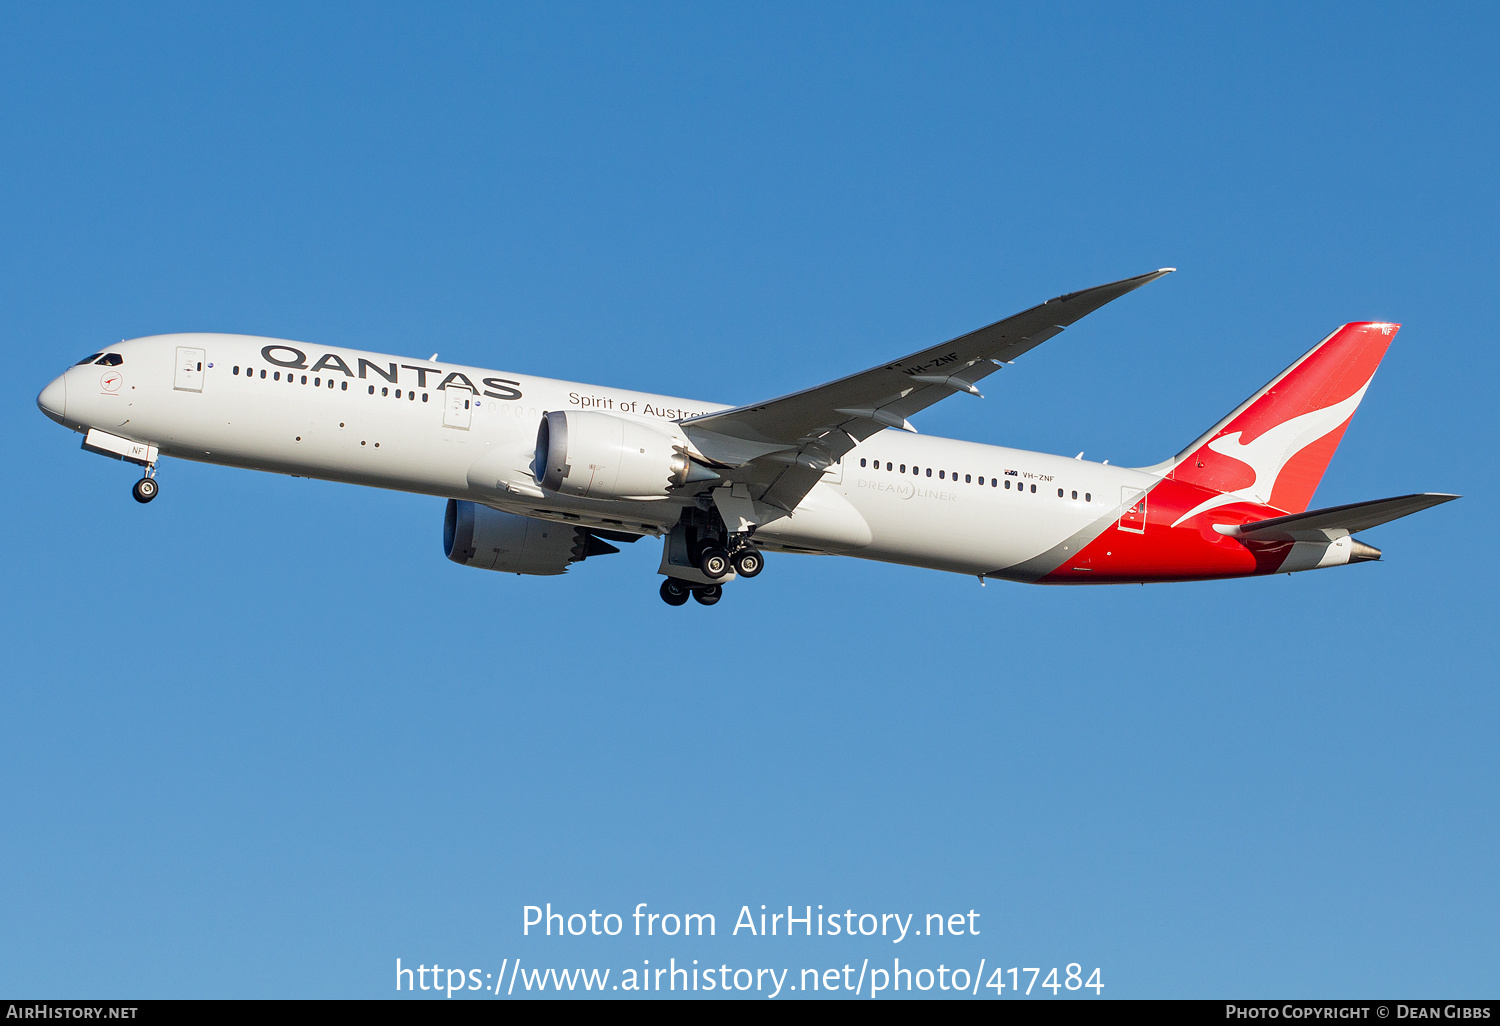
(146, 488)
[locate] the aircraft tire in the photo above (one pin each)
(714, 563)
(708, 594)
(145, 490)
(674, 592)
(749, 563)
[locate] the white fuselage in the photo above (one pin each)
(386, 421)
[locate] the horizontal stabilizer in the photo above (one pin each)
(1336, 521)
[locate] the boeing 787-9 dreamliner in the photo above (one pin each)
(540, 474)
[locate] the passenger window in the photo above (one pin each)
(1007, 482)
(968, 479)
(276, 376)
(903, 468)
(262, 373)
(344, 387)
(372, 389)
(929, 471)
(424, 397)
(1087, 497)
(88, 359)
(888, 465)
(384, 391)
(110, 360)
(398, 393)
(410, 395)
(940, 475)
(236, 370)
(317, 382)
(1075, 496)
(1060, 493)
(861, 463)
(1033, 489)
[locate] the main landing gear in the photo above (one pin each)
(704, 553)
(744, 559)
(146, 488)
(676, 593)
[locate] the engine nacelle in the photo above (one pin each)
(601, 456)
(476, 535)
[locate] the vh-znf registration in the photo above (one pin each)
(541, 474)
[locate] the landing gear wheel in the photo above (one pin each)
(674, 592)
(145, 489)
(714, 563)
(749, 562)
(709, 594)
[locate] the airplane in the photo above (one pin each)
(540, 474)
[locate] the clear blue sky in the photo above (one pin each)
(260, 739)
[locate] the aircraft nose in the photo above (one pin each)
(53, 400)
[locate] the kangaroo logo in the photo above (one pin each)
(1269, 452)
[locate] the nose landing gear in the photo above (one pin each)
(146, 488)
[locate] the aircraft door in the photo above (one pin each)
(457, 407)
(189, 374)
(1133, 502)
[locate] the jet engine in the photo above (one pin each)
(476, 535)
(603, 456)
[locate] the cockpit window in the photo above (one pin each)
(110, 360)
(88, 359)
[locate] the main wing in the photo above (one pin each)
(782, 447)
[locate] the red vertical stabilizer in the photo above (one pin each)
(1275, 447)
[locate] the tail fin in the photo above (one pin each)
(1274, 448)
